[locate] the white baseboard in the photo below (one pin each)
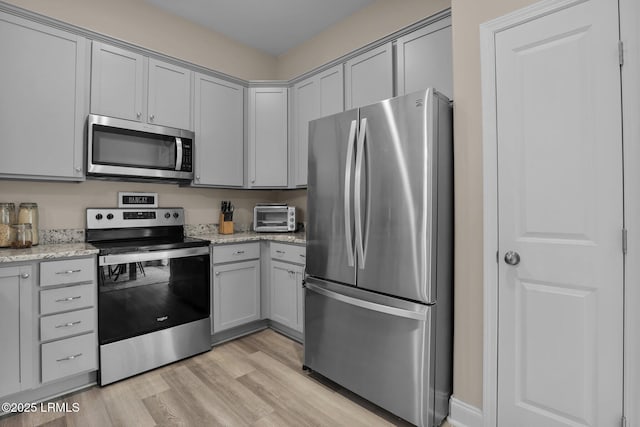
(463, 415)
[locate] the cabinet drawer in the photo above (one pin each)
(288, 253)
(67, 324)
(69, 356)
(67, 271)
(239, 252)
(65, 299)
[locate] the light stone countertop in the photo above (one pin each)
(65, 250)
(251, 236)
(46, 251)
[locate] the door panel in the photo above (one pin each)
(397, 196)
(560, 209)
(329, 249)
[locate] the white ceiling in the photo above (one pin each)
(272, 26)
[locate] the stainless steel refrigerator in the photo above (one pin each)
(379, 284)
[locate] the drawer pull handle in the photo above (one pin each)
(75, 356)
(161, 319)
(68, 299)
(280, 252)
(303, 256)
(68, 271)
(68, 325)
(238, 252)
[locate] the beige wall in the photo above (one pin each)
(144, 25)
(367, 25)
(62, 205)
(467, 17)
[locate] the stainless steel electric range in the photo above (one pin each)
(153, 289)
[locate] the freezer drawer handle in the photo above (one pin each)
(368, 305)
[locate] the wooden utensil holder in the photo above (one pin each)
(225, 227)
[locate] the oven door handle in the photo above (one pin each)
(151, 256)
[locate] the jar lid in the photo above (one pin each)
(28, 205)
(25, 226)
(7, 205)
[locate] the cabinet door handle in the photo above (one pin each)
(238, 252)
(280, 252)
(68, 299)
(25, 275)
(69, 357)
(68, 271)
(138, 115)
(152, 117)
(217, 273)
(303, 256)
(68, 325)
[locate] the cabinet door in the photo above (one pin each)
(43, 100)
(169, 95)
(219, 129)
(424, 59)
(286, 292)
(306, 101)
(369, 77)
(236, 294)
(15, 329)
(315, 97)
(268, 156)
(117, 82)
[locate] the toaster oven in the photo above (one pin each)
(274, 218)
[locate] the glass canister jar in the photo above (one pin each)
(28, 214)
(7, 219)
(24, 237)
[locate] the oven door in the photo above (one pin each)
(144, 292)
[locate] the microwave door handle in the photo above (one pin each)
(178, 153)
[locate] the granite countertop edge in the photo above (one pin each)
(67, 250)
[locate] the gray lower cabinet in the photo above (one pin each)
(16, 326)
(286, 292)
(68, 318)
(44, 101)
(236, 285)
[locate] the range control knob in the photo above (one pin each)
(167, 215)
(110, 216)
(176, 214)
(99, 216)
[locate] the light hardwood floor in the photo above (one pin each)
(256, 380)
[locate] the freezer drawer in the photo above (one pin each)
(382, 348)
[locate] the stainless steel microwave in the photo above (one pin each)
(272, 217)
(125, 148)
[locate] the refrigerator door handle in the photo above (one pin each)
(347, 193)
(368, 305)
(358, 192)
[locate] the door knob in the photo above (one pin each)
(512, 258)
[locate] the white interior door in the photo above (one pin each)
(560, 315)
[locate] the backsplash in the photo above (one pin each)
(67, 235)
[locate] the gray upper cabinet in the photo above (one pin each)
(219, 129)
(268, 149)
(16, 329)
(315, 97)
(369, 77)
(43, 101)
(131, 86)
(424, 59)
(117, 82)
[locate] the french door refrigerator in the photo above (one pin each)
(378, 290)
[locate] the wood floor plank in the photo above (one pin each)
(256, 380)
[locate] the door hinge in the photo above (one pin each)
(624, 241)
(621, 52)
(623, 421)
